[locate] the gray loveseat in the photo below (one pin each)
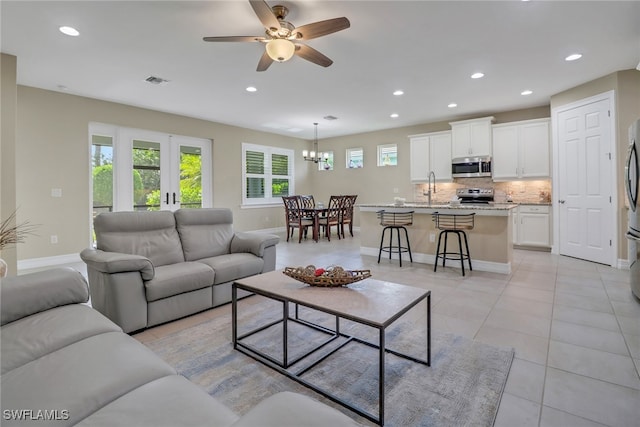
(64, 364)
(156, 266)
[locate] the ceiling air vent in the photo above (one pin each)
(330, 118)
(156, 80)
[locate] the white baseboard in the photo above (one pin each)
(623, 264)
(479, 265)
(51, 261)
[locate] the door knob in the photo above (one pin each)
(561, 201)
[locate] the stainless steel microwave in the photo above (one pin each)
(471, 167)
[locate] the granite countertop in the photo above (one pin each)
(481, 207)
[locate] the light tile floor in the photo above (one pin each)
(575, 327)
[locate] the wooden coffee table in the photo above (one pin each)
(370, 302)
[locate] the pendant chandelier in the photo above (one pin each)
(315, 155)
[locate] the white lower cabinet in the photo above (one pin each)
(532, 226)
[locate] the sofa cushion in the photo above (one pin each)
(49, 331)
(174, 279)
(151, 234)
(43, 290)
(204, 232)
(168, 401)
(234, 266)
(292, 409)
(82, 377)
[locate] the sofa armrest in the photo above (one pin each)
(22, 296)
(252, 242)
(114, 262)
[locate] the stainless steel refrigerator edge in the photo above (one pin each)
(631, 181)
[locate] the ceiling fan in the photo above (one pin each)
(282, 39)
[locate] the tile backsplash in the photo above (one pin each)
(518, 191)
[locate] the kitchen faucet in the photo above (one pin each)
(428, 193)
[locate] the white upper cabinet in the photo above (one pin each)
(471, 138)
(521, 150)
(430, 152)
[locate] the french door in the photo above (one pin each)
(135, 169)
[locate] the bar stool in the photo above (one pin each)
(395, 221)
(458, 224)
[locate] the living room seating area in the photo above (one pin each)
(65, 363)
(152, 267)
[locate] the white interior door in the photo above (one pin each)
(586, 223)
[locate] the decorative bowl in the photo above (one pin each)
(329, 277)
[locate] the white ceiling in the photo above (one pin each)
(428, 49)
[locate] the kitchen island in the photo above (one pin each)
(490, 241)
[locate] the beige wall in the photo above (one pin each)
(626, 85)
(8, 102)
(53, 152)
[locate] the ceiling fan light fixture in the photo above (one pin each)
(280, 50)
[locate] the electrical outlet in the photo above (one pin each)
(432, 237)
(396, 190)
(53, 239)
(56, 192)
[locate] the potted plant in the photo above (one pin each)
(12, 233)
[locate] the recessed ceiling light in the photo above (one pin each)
(251, 89)
(70, 31)
(477, 75)
(398, 93)
(452, 105)
(573, 57)
(526, 92)
(394, 115)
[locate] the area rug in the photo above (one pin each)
(462, 387)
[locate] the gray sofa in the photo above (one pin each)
(152, 267)
(64, 364)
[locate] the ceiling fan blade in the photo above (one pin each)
(265, 62)
(321, 28)
(312, 55)
(265, 14)
(234, 39)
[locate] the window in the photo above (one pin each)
(102, 172)
(327, 161)
(267, 174)
(388, 155)
(355, 158)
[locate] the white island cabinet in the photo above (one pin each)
(430, 152)
(521, 150)
(471, 138)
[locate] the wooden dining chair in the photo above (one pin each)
(294, 217)
(332, 217)
(348, 203)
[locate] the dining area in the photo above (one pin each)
(302, 212)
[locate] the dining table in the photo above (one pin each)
(316, 213)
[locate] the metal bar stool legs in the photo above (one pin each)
(457, 224)
(462, 254)
(395, 221)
